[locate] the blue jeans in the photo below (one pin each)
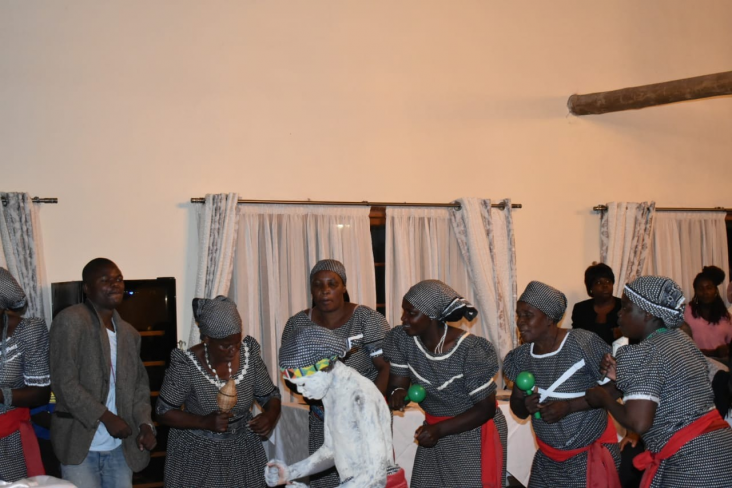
(100, 469)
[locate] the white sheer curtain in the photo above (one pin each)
(625, 235)
(684, 242)
(217, 222)
(21, 244)
(277, 247)
(421, 244)
(487, 243)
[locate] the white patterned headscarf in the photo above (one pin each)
(658, 296)
(329, 265)
(217, 318)
(438, 301)
(545, 298)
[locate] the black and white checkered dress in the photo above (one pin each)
(203, 458)
(455, 381)
(668, 369)
(365, 329)
(576, 430)
(26, 365)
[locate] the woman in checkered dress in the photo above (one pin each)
(565, 363)
(362, 327)
(206, 447)
(463, 440)
(667, 396)
(24, 381)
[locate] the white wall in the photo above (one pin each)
(125, 110)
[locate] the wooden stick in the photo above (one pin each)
(636, 97)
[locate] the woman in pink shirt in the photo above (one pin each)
(707, 315)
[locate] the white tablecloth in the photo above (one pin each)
(291, 438)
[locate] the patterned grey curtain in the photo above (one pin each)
(486, 239)
(22, 250)
(217, 232)
(625, 237)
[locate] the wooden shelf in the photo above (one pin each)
(147, 364)
(150, 333)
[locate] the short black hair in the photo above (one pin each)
(93, 266)
(596, 271)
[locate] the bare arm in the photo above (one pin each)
(382, 379)
(397, 389)
(475, 416)
(29, 396)
(636, 415)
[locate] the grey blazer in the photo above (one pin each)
(80, 367)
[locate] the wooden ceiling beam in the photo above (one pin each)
(718, 84)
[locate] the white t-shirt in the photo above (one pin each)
(102, 440)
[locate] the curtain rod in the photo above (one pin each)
(363, 203)
(603, 208)
(35, 200)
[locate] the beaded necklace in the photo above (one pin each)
(219, 383)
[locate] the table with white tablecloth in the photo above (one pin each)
(290, 440)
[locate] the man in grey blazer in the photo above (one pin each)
(101, 430)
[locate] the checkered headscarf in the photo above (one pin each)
(438, 301)
(658, 296)
(329, 265)
(309, 345)
(217, 318)
(546, 298)
(12, 296)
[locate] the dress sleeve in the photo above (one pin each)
(479, 369)
(513, 363)
(640, 373)
(394, 351)
(375, 328)
(593, 349)
(289, 330)
(33, 340)
(176, 384)
(264, 388)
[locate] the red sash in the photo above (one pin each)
(397, 480)
(491, 452)
(649, 462)
(601, 470)
(19, 420)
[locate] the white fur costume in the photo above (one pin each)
(358, 438)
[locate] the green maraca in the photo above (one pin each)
(416, 393)
(525, 382)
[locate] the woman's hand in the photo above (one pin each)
(396, 399)
(608, 366)
(146, 438)
(630, 438)
(276, 473)
(555, 411)
(598, 397)
(264, 423)
(531, 402)
(217, 421)
(428, 435)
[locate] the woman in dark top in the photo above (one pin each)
(599, 314)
